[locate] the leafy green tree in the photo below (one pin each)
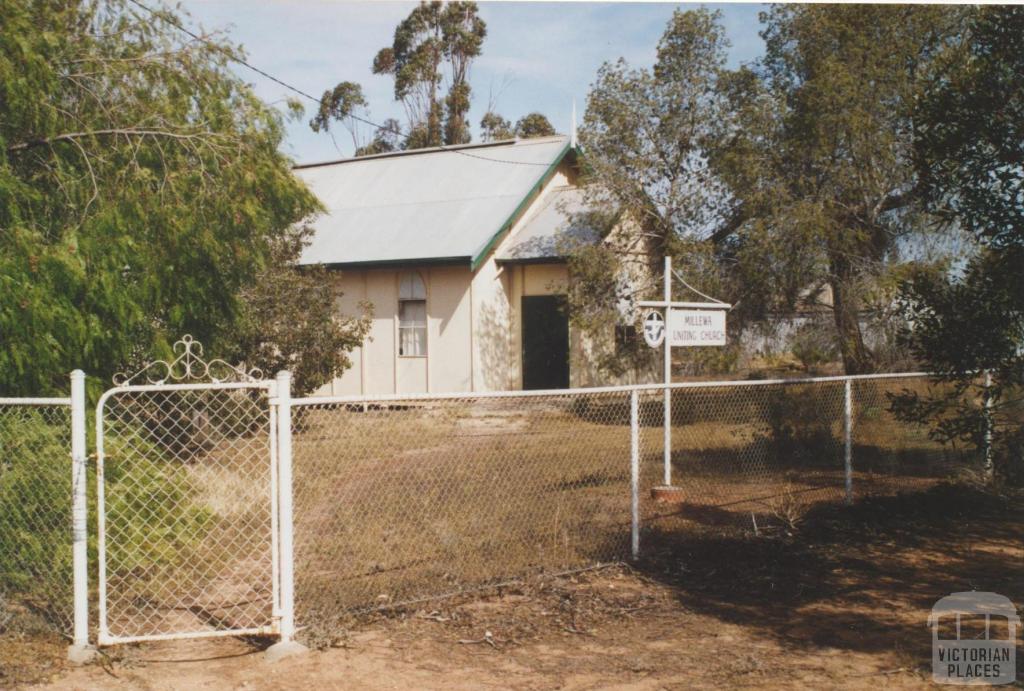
(970, 159)
(385, 139)
(141, 190)
(339, 103)
(343, 104)
(644, 133)
(463, 33)
(534, 125)
(818, 156)
(494, 128)
(289, 320)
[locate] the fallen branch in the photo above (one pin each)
(488, 639)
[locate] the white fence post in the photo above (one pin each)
(634, 471)
(848, 429)
(668, 377)
(275, 530)
(286, 569)
(80, 650)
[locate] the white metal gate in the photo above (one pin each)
(187, 503)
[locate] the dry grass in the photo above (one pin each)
(396, 505)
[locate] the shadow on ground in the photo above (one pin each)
(859, 578)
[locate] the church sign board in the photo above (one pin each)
(696, 327)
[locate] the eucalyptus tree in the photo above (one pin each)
(429, 60)
(534, 125)
(141, 191)
(818, 156)
(494, 127)
(386, 138)
(343, 103)
(645, 135)
(969, 154)
(433, 48)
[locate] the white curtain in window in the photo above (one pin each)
(412, 327)
(411, 287)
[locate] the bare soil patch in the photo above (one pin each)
(841, 603)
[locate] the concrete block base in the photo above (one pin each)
(283, 649)
(668, 494)
(82, 654)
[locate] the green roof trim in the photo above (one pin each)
(481, 256)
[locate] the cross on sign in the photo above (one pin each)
(654, 328)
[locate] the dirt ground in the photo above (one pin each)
(843, 602)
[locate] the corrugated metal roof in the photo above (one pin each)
(429, 205)
(547, 234)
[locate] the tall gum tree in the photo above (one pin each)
(429, 59)
(818, 154)
(644, 135)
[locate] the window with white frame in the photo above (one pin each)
(412, 316)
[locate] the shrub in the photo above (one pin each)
(35, 512)
(148, 502)
(801, 421)
(813, 345)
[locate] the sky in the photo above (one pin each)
(538, 56)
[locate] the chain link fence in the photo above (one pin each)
(35, 515)
(891, 456)
(186, 506)
(762, 455)
(739, 453)
(401, 500)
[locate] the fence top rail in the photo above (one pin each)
(383, 398)
(35, 401)
(141, 388)
(131, 388)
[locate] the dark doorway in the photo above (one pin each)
(545, 342)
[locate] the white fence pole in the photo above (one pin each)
(848, 428)
(668, 377)
(634, 471)
(275, 530)
(286, 569)
(80, 651)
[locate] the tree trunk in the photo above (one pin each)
(857, 358)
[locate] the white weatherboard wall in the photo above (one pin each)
(448, 331)
(492, 319)
(376, 366)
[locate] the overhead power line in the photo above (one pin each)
(235, 58)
